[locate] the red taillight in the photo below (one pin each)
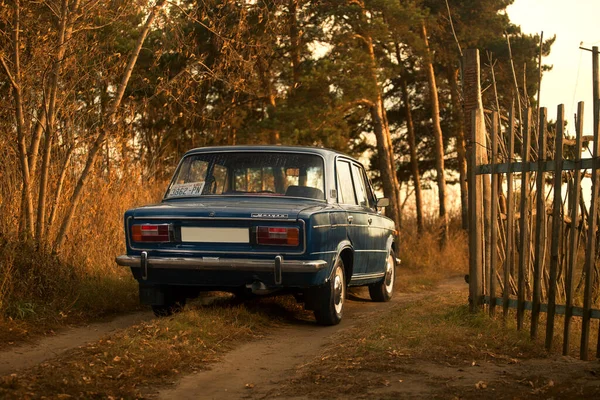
(150, 233)
(278, 236)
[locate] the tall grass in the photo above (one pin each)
(424, 261)
(83, 280)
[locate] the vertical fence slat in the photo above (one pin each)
(475, 214)
(591, 237)
(510, 214)
(523, 222)
(574, 232)
(540, 223)
(494, 214)
(595, 183)
(557, 222)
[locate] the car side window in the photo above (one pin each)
(360, 187)
(370, 192)
(346, 193)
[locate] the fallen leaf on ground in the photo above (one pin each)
(481, 385)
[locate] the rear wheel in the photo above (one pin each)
(329, 299)
(384, 290)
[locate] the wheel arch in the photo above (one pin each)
(391, 245)
(345, 251)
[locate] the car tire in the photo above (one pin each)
(383, 290)
(173, 304)
(329, 299)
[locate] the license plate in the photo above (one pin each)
(215, 235)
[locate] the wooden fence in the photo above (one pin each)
(533, 216)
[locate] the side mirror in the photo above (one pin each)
(383, 202)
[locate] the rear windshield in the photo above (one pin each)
(249, 174)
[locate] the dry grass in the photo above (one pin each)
(425, 263)
(424, 346)
(41, 291)
(126, 364)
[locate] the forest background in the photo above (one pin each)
(99, 100)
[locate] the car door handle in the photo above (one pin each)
(350, 219)
(370, 220)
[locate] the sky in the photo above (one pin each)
(575, 23)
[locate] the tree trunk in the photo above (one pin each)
(274, 137)
(412, 145)
(294, 44)
(92, 155)
(457, 113)
(35, 141)
(385, 149)
(438, 138)
(59, 187)
(15, 80)
(63, 37)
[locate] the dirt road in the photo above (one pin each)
(256, 369)
(276, 365)
(28, 355)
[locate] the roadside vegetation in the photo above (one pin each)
(41, 291)
(424, 262)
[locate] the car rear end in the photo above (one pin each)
(230, 221)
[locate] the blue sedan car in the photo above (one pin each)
(261, 219)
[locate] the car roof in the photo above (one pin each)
(305, 149)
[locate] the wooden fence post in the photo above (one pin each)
(590, 250)
(510, 213)
(524, 221)
(574, 233)
(494, 214)
(557, 222)
(477, 156)
(475, 217)
(540, 224)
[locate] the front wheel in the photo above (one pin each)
(329, 299)
(384, 290)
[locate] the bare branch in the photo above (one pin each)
(7, 71)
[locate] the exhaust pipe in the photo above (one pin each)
(259, 288)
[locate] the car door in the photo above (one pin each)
(356, 215)
(375, 234)
(380, 228)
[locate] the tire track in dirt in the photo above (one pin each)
(257, 368)
(28, 355)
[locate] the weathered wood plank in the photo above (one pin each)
(524, 221)
(540, 224)
(557, 222)
(574, 197)
(510, 216)
(475, 216)
(590, 250)
(560, 309)
(494, 212)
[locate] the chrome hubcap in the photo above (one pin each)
(389, 275)
(339, 290)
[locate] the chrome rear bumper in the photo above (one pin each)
(222, 264)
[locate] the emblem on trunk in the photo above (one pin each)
(269, 215)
